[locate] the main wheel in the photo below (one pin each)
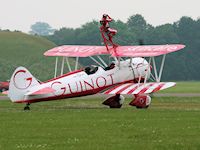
(26, 108)
(115, 101)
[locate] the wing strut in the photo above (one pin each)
(62, 66)
(76, 66)
(103, 62)
(96, 61)
(145, 79)
(158, 76)
(68, 65)
(155, 70)
(56, 67)
(161, 67)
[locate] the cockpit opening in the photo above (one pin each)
(111, 66)
(91, 69)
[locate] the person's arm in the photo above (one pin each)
(109, 19)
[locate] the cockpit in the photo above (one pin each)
(91, 69)
(111, 66)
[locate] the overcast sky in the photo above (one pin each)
(21, 14)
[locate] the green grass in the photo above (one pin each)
(20, 49)
(184, 87)
(169, 123)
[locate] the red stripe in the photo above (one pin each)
(146, 88)
(132, 90)
(108, 91)
(78, 94)
(46, 90)
(124, 88)
(158, 88)
(68, 74)
(118, 85)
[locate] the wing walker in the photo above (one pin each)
(133, 71)
(107, 31)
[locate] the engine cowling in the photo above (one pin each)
(141, 101)
(115, 101)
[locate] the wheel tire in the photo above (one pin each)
(138, 107)
(26, 108)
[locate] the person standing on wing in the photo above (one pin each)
(105, 28)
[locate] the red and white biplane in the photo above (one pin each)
(127, 74)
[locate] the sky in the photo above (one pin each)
(21, 14)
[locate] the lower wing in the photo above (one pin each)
(139, 88)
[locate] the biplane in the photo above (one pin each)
(128, 73)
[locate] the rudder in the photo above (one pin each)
(21, 81)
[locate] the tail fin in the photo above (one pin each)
(21, 81)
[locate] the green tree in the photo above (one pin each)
(163, 34)
(88, 34)
(138, 27)
(41, 28)
(188, 31)
(137, 22)
(63, 36)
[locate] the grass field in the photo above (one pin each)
(83, 123)
(184, 87)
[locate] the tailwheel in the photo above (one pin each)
(27, 107)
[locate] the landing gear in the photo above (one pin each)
(27, 106)
(115, 101)
(141, 101)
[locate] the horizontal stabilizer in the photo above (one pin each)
(46, 90)
(5, 92)
(139, 88)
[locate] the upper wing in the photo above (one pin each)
(120, 51)
(76, 50)
(139, 88)
(145, 51)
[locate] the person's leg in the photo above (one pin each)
(111, 33)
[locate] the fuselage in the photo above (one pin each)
(81, 82)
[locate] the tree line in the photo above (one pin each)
(182, 65)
